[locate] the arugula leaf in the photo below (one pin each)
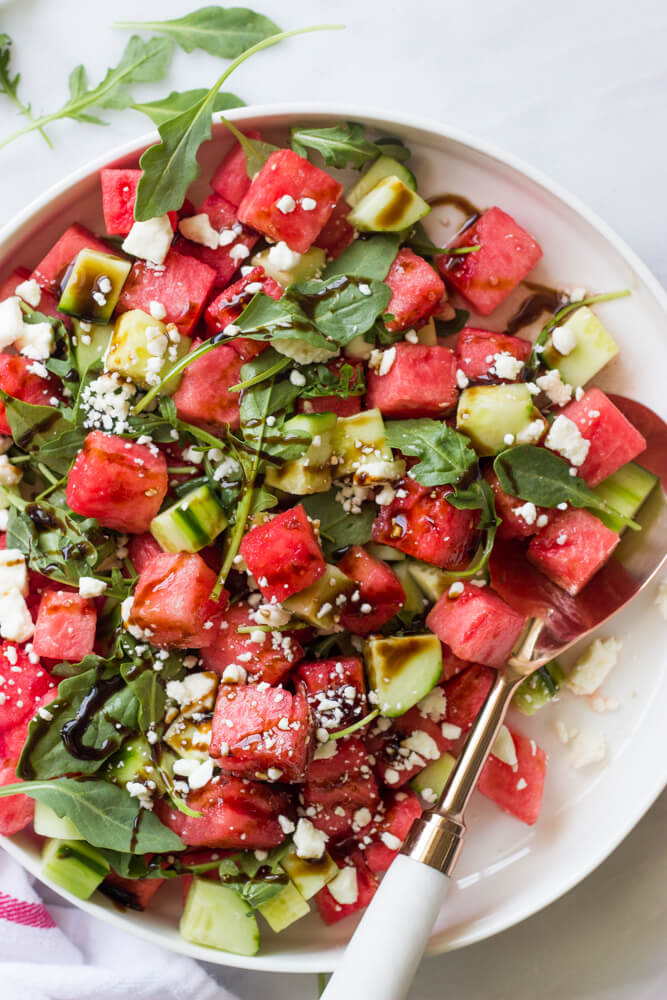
(171, 165)
(265, 319)
(149, 688)
(339, 145)
(543, 478)
(321, 381)
(261, 880)
(222, 32)
(338, 529)
(104, 814)
(447, 327)
(172, 105)
(256, 151)
(9, 85)
(368, 259)
(270, 398)
(35, 427)
(446, 455)
(478, 496)
(95, 710)
(390, 145)
(342, 308)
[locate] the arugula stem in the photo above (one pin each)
(51, 488)
(262, 376)
(47, 474)
(557, 318)
(180, 366)
(355, 725)
(27, 113)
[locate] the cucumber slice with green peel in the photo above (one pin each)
(306, 265)
(134, 340)
(402, 670)
(384, 552)
(389, 207)
(360, 440)
(92, 341)
(75, 866)
(384, 166)
(133, 762)
(430, 782)
(317, 604)
(625, 490)
(312, 472)
(284, 909)
(594, 347)
(496, 416)
(93, 285)
(432, 582)
(192, 523)
(217, 917)
(414, 598)
(538, 689)
(47, 823)
(309, 876)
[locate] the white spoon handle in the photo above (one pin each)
(381, 959)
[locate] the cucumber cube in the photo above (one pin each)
(414, 599)
(189, 740)
(92, 341)
(217, 917)
(312, 472)
(309, 876)
(432, 582)
(625, 490)
(492, 414)
(318, 604)
(594, 347)
(389, 207)
(402, 670)
(384, 552)
(306, 265)
(93, 285)
(75, 866)
(47, 823)
(284, 908)
(360, 440)
(133, 762)
(142, 349)
(192, 523)
(539, 688)
(430, 782)
(384, 166)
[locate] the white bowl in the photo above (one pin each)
(508, 871)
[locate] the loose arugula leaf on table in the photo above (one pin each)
(368, 259)
(478, 496)
(103, 813)
(9, 84)
(160, 111)
(539, 476)
(95, 710)
(141, 62)
(222, 32)
(262, 880)
(256, 151)
(341, 308)
(339, 145)
(338, 528)
(445, 455)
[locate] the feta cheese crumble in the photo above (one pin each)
(309, 842)
(150, 240)
(345, 887)
(593, 667)
(565, 438)
(558, 391)
(198, 229)
(91, 587)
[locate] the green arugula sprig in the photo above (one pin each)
(344, 145)
(222, 32)
(445, 455)
(478, 496)
(535, 356)
(259, 881)
(9, 84)
(160, 111)
(338, 528)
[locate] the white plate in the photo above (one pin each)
(508, 871)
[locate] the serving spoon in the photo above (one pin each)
(380, 960)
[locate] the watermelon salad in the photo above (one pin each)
(272, 473)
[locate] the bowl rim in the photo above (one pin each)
(309, 963)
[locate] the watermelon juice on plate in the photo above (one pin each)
(264, 461)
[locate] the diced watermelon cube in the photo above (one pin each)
(417, 738)
(339, 786)
(613, 439)
(337, 233)
(65, 626)
(572, 548)
(16, 811)
(283, 555)
(225, 260)
(141, 549)
(477, 624)
(424, 525)
(342, 406)
(420, 383)
(48, 303)
(19, 379)
(476, 352)
(230, 179)
(203, 397)
(336, 691)
(518, 790)
(133, 893)
(514, 525)
(270, 660)
(119, 482)
(241, 815)
(262, 732)
(451, 664)
(330, 910)
(401, 810)
(172, 602)
(465, 694)
(506, 256)
(288, 179)
(379, 589)
(119, 193)
(51, 269)
(182, 285)
(230, 303)
(416, 290)
(8, 286)
(21, 691)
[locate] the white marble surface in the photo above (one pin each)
(578, 88)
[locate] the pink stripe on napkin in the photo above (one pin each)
(27, 914)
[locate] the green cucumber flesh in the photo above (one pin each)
(47, 823)
(402, 670)
(216, 917)
(431, 780)
(490, 414)
(594, 348)
(625, 490)
(538, 689)
(191, 524)
(74, 865)
(389, 207)
(309, 876)
(312, 472)
(284, 909)
(385, 166)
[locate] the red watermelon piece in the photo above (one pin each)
(224, 260)
(416, 290)
(476, 351)
(230, 179)
(420, 522)
(269, 660)
(182, 284)
(230, 303)
(283, 555)
(421, 382)
(379, 589)
(203, 397)
(418, 737)
(342, 406)
(332, 911)
(19, 379)
(336, 691)
(286, 175)
(465, 694)
(337, 233)
(142, 548)
(477, 624)
(172, 601)
(119, 482)
(8, 286)
(48, 303)
(119, 193)
(133, 893)
(613, 439)
(23, 684)
(451, 664)
(572, 548)
(401, 810)
(517, 790)
(507, 254)
(337, 787)
(262, 731)
(51, 269)
(16, 811)
(65, 626)
(513, 525)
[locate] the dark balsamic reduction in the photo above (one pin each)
(72, 732)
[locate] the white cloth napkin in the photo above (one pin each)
(60, 953)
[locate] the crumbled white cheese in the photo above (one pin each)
(9, 474)
(391, 841)
(234, 673)
(106, 403)
(297, 378)
(462, 379)
(308, 204)
(308, 841)
(508, 439)
(429, 796)
(450, 731)
(587, 747)
(286, 824)
(563, 732)
(362, 817)
(527, 512)
(505, 365)
(576, 294)
(345, 887)
(271, 614)
(201, 775)
(150, 240)
(456, 589)
(376, 473)
(324, 751)
(30, 292)
(36, 341)
(504, 748)
(157, 310)
(423, 744)
(286, 204)
(282, 258)
(13, 571)
(564, 339)
(239, 252)
(91, 587)
(198, 229)
(382, 361)
(558, 392)
(4, 519)
(11, 321)
(602, 704)
(194, 690)
(15, 621)
(565, 438)
(138, 790)
(593, 667)
(434, 705)
(391, 776)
